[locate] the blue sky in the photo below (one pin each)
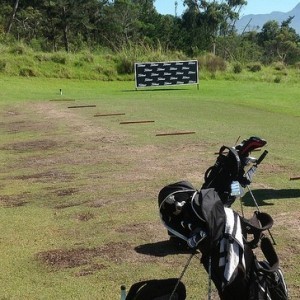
(253, 6)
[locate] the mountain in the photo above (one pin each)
(257, 21)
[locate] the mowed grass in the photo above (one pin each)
(78, 193)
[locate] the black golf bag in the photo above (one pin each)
(202, 219)
(230, 167)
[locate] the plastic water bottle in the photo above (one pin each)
(123, 292)
(236, 189)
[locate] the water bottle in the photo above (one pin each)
(123, 292)
(236, 189)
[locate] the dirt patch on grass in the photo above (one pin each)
(13, 201)
(36, 145)
(12, 127)
(69, 204)
(77, 124)
(66, 192)
(99, 203)
(16, 121)
(71, 258)
(48, 177)
(290, 221)
(23, 126)
(85, 216)
(60, 258)
(10, 113)
(271, 168)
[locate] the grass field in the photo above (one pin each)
(78, 193)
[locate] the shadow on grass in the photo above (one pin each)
(155, 90)
(261, 195)
(162, 248)
(169, 247)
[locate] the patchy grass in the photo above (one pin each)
(78, 194)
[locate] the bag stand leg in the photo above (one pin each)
(255, 202)
(242, 208)
(182, 274)
(209, 279)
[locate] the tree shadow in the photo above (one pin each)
(262, 195)
(162, 248)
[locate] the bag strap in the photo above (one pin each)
(235, 155)
(220, 159)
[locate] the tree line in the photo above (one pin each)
(204, 26)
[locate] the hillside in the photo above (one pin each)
(257, 21)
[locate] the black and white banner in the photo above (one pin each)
(153, 74)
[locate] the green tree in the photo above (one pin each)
(204, 21)
(60, 23)
(280, 42)
(239, 48)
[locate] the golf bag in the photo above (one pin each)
(203, 220)
(229, 168)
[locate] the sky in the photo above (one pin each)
(253, 6)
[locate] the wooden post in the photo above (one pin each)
(137, 122)
(175, 133)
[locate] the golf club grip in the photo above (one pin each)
(261, 158)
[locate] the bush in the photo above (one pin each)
(110, 73)
(78, 64)
(237, 68)
(27, 72)
(212, 63)
(282, 73)
(59, 58)
(3, 48)
(279, 66)
(297, 65)
(63, 72)
(87, 57)
(36, 44)
(99, 69)
(40, 57)
(19, 49)
(277, 79)
(255, 67)
(125, 66)
(2, 65)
